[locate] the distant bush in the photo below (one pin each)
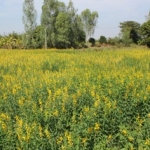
(114, 41)
(92, 41)
(102, 39)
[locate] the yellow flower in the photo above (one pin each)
(40, 101)
(58, 92)
(93, 93)
(73, 119)
(66, 133)
(86, 109)
(145, 97)
(96, 103)
(59, 140)
(69, 138)
(49, 92)
(110, 137)
(20, 102)
(40, 131)
(109, 92)
(24, 138)
(55, 113)
(4, 116)
(97, 126)
(84, 140)
(19, 136)
(79, 93)
(19, 121)
(4, 96)
(130, 139)
(14, 91)
(105, 98)
(63, 107)
(147, 142)
(148, 115)
(124, 132)
(138, 95)
(90, 129)
(4, 126)
(28, 132)
(63, 147)
(47, 133)
(81, 115)
(139, 120)
(131, 147)
(66, 89)
(74, 97)
(108, 105)
(148, 88)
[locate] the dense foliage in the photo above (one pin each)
(92, 41)
(145, 32)
(11, 41)
(29, 21)
(102, 39)
(71, 100)
(64, 28)
(61, 27)
(131, 30)
(89, 20)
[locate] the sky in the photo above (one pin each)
(111, 13)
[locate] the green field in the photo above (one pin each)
(75, 99)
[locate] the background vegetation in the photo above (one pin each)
(63, 27)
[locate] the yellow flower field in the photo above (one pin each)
(74, 99)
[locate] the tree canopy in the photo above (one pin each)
(145, 32)
(63, 27)
(148, 16)
(131, 28)
(102, 39)
(89, 20)
(29, 20)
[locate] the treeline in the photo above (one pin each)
(11, 41)
(131, 32)
(63, 27)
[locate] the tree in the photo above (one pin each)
(126, 40)
(77, 34)
(89, 20)
(29, 20)
(148, 16)
(63, 27)
(102, 39)
(50, 11)
(92, 41)
(145, 33)
(11, 41)
(63, 30)
(115, 41)
(38, 37)
(134, 36)
(132, 28)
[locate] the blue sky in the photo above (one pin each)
(111, 13)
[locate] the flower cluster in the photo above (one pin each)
(74, 99)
